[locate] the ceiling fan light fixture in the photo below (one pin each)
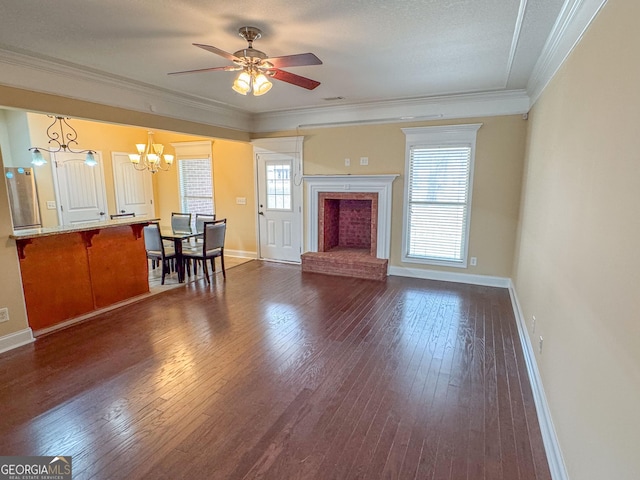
(257, 66)
(261, 84)
(242, 83)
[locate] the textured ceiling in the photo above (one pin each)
(372, 51)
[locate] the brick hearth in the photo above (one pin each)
(349, 225)
(347, 231)
(346, 263)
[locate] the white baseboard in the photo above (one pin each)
(16, 339)
(549, 437)
(485, 280)
(240, 253)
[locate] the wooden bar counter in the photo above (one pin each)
(70, 271)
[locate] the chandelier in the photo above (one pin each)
(150, 157)
(62, 141)
(251, 78)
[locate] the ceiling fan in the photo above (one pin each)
(256, 67)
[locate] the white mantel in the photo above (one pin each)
(380, 184)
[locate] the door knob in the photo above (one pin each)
(101, 213)
(260, 213)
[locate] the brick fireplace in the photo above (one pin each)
(349, 225)
(348, 221)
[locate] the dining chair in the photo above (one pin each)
(181, 222)
(156, 249)
(201, 218)
(116, 216)
(212, 247)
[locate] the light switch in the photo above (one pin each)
(51, 205)
(364, 160)
(241, 200)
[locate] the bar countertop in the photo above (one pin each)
(81, 227)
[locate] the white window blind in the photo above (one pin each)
(439, 170)
(438, 202)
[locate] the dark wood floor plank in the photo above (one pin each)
(275, 374)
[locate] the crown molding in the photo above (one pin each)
(487, 104)
(44, 75)
(573, 21)
(68, 80)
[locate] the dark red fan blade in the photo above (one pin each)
(200, 70)
(217, 51)
(294, 79)
(299, 60)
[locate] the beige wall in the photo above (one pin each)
(232, 165)
(232, 177)
(577, 268)
(104, 138)
(496, 187)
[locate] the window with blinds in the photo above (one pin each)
(438, 195)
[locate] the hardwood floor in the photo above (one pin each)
(277, 374)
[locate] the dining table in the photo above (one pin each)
(177, 237)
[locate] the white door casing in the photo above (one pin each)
(80, 190)
(277, 205)
(279, 195)
(133, 188)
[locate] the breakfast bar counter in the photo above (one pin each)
(70, 271)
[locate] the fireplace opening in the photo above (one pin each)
(348, 223)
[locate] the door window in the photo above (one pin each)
(278, 176)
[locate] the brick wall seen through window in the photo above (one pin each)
(196, 185)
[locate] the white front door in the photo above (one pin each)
(279, 206)
(134, 190)
(80, 189)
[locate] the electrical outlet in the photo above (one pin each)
(364, 160)
(4, 315)
(347, 162)
(533, 324)
(540, 344)
(474, 261)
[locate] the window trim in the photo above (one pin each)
(180, 162)
(430, 137)
(198, 150)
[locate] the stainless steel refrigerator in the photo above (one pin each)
(23, 197)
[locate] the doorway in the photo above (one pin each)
(279, 194)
